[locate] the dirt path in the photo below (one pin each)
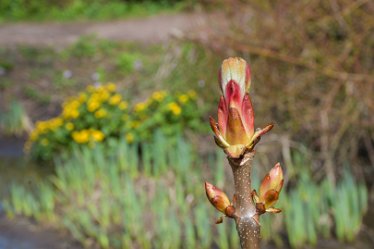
(151, 29)
(21, 234)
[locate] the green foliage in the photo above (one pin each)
(121, 204)
(171, 113)
(348, 205)
(6, 65)
(88, 118)
(15, 120)
(313, 209)
(4, 84)
(146, 196)
(126, 61)
(32, 93)
(189, 66)
(303, 212)
(101, 114)
(89, 46)
(67, 10)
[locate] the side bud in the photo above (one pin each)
(219, 199)
(270, 189)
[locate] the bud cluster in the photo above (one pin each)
(235, 134)
(234, 131)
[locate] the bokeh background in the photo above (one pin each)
(104, 134)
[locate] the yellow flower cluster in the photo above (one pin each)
(139, 107)
(159, 95)
(115, 99)
(183, 98)
(103, 102)
(101, 113)
(93, 99)
(87, 135)
(42, 127)
(69, 126)
(70, 108)
(100, 94)
(123, 105)
(175, 108)
(111, 87)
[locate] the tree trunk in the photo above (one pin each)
(247, 223)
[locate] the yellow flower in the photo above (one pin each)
(46, 126)
(100, 95)
(183, 98)
(81, 137)
(140, 106)
(101, 113)
(70, 109)
(103, 95)
(129, 137)
(111, 87)
(174, 108)
(93, 105)
(69, 126)
(54, 123)
(97, 135)
(82, 97)
(34, 135)
(74, 114)
(91, 88)
(44, 142)
(159, 95)
(123, 105)
(115, 99)
(41, 126)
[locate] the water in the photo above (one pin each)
(20, 233)
(8, 243)
(15, 168)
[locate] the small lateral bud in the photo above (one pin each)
(217, 197)
(272, 181)
(269, 192)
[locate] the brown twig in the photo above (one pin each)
(268, 53)
(271, 54)
(247, 223)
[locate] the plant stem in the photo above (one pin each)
(247, 223)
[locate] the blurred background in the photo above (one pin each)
(104, 134)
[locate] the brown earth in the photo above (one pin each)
(22, 234)
(152, 29)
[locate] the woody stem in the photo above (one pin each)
(247, 223)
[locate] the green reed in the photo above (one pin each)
(150, 196)
(15, 121)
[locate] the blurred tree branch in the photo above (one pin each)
(316, 59)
